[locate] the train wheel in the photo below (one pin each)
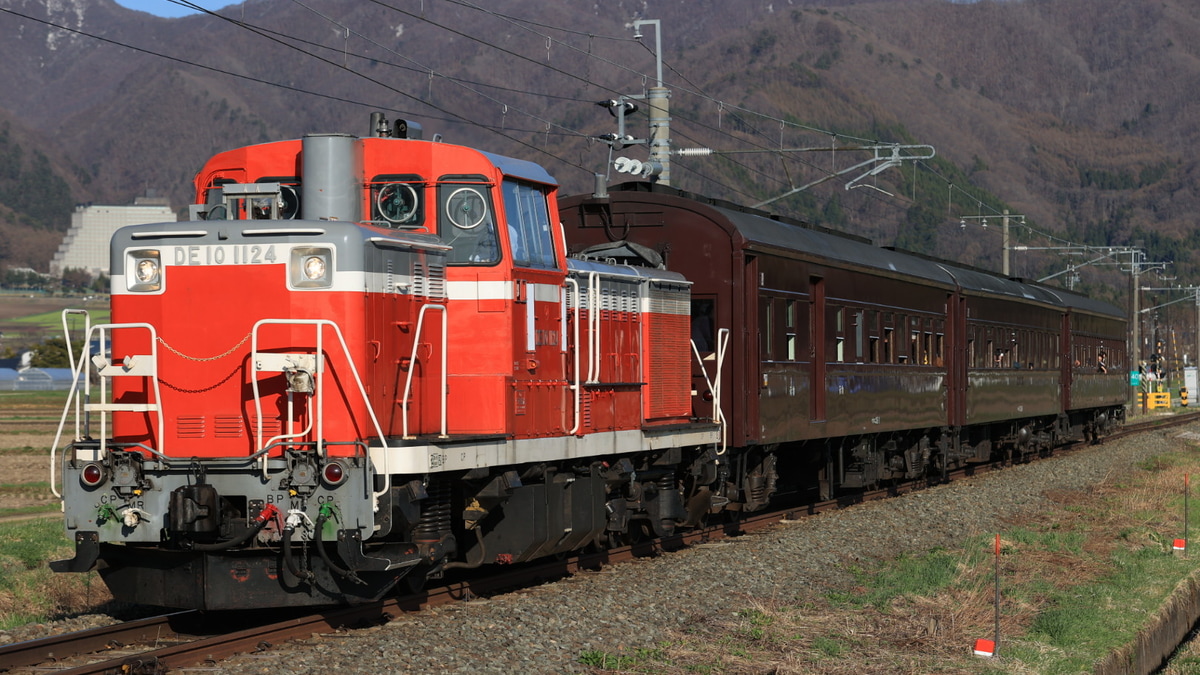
(610, 540)
(413, 582)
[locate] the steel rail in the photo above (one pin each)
(213, 649)
(56, 648)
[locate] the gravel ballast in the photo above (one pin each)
(638, 604)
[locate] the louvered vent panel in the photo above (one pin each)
(437, 279)
(429, 280)
(229, 426)
(190, 426)
(271, 428)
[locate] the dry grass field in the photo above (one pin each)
(31, 532)
(27, 425)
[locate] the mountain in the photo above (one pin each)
(1074, 114)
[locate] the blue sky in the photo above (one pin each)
(168, 8)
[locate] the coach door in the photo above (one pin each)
(704, 341)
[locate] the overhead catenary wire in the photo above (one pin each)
(281, 38)
(519, 22)
(375, 81)
(507, 130)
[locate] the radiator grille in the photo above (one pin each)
(670, 366)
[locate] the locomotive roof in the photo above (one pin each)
(520, 168)
(764, 231)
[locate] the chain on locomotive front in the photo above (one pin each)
(343, 367)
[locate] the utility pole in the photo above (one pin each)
(1004, 221)
(1006, 244)
(658, 166)
(1138, 266)
(659, 100)
(1194, 295)
(1135, 324)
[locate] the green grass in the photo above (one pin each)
(53, 320)
(1054, 540)
(1082, 624)
(1073, 625)
(640, 658)
(50, 511)
(908, 575)
(15, 399)
(830, 647)
(29, 591)
(26, 450)
(13, 488)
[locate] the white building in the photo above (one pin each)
(92, 227)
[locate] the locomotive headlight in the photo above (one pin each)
(143, 270)
(147, 272)
(314, 267)
(311, 268)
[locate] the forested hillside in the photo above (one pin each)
(1072, 113)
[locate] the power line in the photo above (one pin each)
(346, 68)
(176, 59)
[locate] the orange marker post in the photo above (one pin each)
(988, 648)
(996, 645)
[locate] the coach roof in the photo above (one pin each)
(764, 232)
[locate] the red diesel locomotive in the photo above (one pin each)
(367, 361)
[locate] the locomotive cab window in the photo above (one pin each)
(529, 233)
(466, 221)
(289, 195)
(398, 202)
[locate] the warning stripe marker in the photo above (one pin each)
(985, 648)
(1179, 545)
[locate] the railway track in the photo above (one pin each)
(188, 639)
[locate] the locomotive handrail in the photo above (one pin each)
(593, 327)
(575, 372)
(78, 369)
(714, 385)
(74, 383)
(318, 323)
(575, 385)
(275, 440)
(723, 335)
(412, 362)
(87, 327)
